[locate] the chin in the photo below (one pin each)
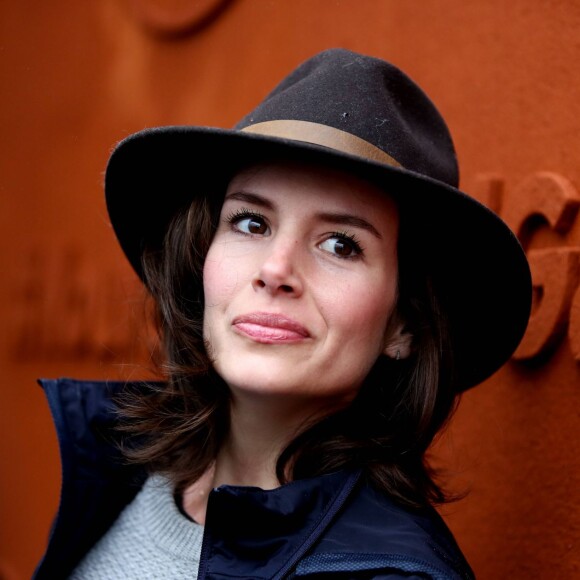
(286, 384)
(269, 383)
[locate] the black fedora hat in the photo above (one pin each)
(361, 115)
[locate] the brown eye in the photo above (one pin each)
(342, 246)
(252, 225)
(342, 249)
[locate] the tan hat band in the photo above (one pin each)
(324, 135)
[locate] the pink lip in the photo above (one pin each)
(270, 328)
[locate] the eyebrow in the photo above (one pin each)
(250, 198)
(350, 220)
(329, 217)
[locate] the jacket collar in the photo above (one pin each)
(252, 533)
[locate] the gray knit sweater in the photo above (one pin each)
(150, 539)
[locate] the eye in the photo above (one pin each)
(249, 222)
(342, 245)
(252, 225)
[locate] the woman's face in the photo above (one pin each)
(300, 281)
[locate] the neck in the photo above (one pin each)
(260, 429)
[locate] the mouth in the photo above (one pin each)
(270, 328)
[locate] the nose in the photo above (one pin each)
(279, 272)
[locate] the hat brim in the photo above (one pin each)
(482, 270)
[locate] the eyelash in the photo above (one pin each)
(243, 213)
(352, 240)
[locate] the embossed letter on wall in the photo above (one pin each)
(65, 306)
(171, 18)
(544, 199)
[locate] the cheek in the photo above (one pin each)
(217, 295)
(362, 311)
(372, 314)
(219, 278)
(211, 281)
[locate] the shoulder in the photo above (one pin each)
(375, 535)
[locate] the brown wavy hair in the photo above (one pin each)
(180, 424)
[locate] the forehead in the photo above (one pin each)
(290, 182)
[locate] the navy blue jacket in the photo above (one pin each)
(331, 526)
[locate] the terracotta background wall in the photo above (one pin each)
(78, 76)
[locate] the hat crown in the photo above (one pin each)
(371, 99)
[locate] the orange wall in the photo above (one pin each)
(78, 76)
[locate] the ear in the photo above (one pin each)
(399, 342)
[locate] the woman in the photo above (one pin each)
(324, 293)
